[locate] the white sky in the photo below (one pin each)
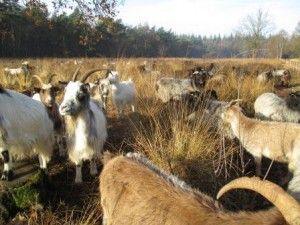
(207, 17)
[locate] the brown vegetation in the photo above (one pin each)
(191, 151)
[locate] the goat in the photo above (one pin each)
(281, 78)
(95, 94)
(101, 90)
(85, 124)
(213, 109)
(134, 191)
(174, 89)
(275, 140)
(272, 107)
(12, 73)
(123, 92)
(46, 94)
(25, 130)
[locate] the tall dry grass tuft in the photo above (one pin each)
(89, 214)
(246, 88)
(188, 150)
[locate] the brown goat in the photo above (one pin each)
(134, 191)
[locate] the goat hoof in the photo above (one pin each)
(43, 171)
(7, 175)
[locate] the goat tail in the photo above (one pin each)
(107, 156)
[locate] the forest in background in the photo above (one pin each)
(30, 30)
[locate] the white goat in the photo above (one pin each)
(134, 191)
(13, 73)
(123, 92)
(272, 107)
(85, 125)
(275, 140)
(25, 130)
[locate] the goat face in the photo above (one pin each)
(104, 86)
(113, 77)
(76, 98)
(229, 112)
(47, 94)
(293, 100)
(199, 78)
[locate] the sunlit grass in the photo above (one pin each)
(193, 151)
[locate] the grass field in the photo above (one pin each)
(194, 152)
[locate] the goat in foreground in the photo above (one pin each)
(85, 124)
(275, 140)
(287, 205)
(25, 130)
(134, 191)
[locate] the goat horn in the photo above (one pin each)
(89, 73)
(286, 204)
(232, 102)
(39, 79)
(51, 77)
(194, 84)
(74, 77)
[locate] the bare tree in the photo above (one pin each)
(254, 29)
(277, 43)
(297, 29)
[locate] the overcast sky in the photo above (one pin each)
(207, 17)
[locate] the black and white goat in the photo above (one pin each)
(174, 89)
(85, 124)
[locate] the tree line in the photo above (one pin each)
(31, 31)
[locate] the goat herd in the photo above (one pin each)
(133, 190)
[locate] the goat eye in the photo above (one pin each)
(80, 96)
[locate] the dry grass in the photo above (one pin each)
(194, 152)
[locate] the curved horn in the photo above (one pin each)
(89, 73)
(233, 102)
(193, 83)
(286, 204)
(51, 77)
(38, 79)
(75, 75)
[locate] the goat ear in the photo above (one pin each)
(56, 88)
(37, 89)
(63, 82)
(86, 88)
